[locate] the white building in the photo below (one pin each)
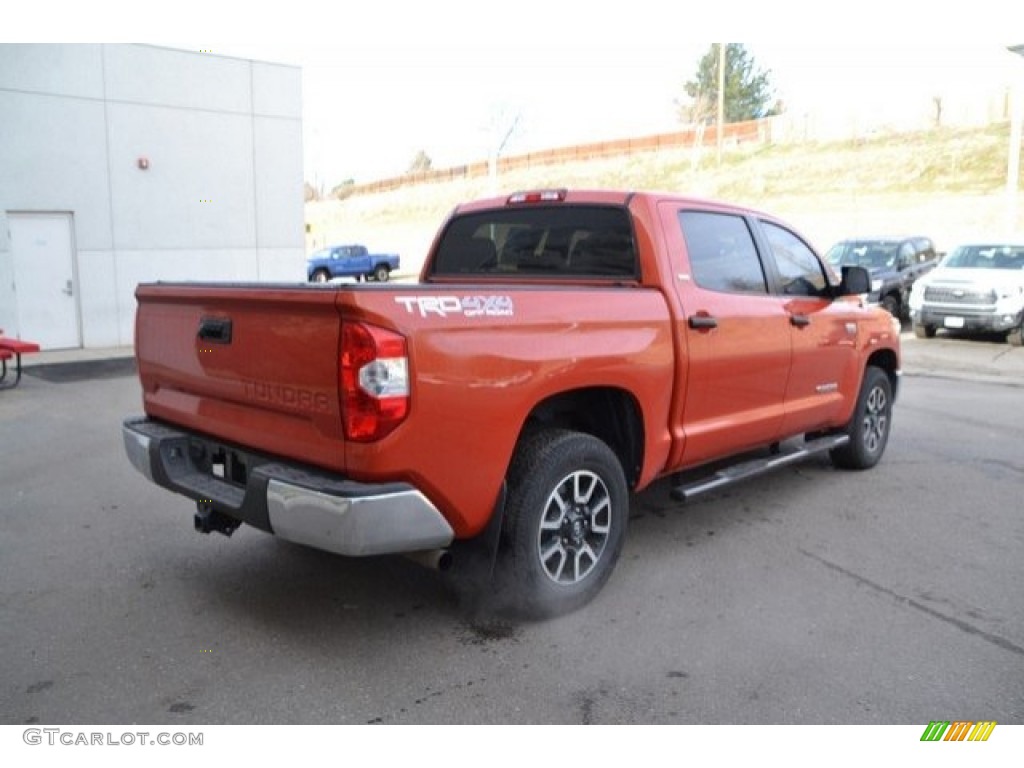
(121, 164)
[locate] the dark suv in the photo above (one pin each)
(894, 263)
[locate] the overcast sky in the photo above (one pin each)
(382, 81)
(366, 114)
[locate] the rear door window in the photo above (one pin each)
(722, 252)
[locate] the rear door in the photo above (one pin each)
(358, 261)
(737, 334)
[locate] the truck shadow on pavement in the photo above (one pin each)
(297, 589)
(291, 585)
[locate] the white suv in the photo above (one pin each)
(976, 287)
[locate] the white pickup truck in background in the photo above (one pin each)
(976, 288)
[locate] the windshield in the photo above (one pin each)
(549, 241)
(985, 257)
(872, 254)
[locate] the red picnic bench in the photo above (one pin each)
(13, 348)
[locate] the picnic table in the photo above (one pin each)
(13, 348)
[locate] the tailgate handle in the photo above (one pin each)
(215, 329)
(800, 321)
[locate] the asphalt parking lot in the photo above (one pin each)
(807, 596)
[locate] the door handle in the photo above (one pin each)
(799, 320)
(702, 322)
(67, 290)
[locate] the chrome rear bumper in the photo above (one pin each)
(298, 503)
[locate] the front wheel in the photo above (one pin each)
(381, 273)
(565, 521)
(320, 276)
(891, 304)
(870, 425)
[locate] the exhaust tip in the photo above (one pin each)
(434, 559)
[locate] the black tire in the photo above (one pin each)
(565, 522)
(891, 304)
(381, 273)
(1015, 338)
(924, 331)
(320, 276)
(869, 428)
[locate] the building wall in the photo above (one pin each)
(220, 200)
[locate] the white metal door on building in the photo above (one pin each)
(42, 245)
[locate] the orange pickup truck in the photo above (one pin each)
(561, 349)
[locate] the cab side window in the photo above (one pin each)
(722, 253)
(906, 255)
(800, 272)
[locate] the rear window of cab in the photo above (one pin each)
(570, 241)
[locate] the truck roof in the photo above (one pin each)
(596, 196)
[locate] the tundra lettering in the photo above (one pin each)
(292, 397)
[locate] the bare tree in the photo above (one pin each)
(420, 163)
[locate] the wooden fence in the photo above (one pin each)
(734, 133)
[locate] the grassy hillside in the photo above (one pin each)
(946, 183)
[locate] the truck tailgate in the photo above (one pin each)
(254, 365)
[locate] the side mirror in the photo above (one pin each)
(856, 280)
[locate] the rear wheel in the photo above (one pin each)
(1016, 336)
(869, 427)
(924, 331)
(565, 521)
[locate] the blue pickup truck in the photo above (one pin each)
(350, 261)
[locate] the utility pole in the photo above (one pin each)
(721, 98)
(1013, 157)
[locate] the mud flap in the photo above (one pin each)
(474, 562)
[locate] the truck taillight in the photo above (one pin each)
(374, 381)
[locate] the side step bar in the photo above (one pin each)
(755, 467)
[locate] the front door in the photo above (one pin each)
(42, 245)
(824, 372)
